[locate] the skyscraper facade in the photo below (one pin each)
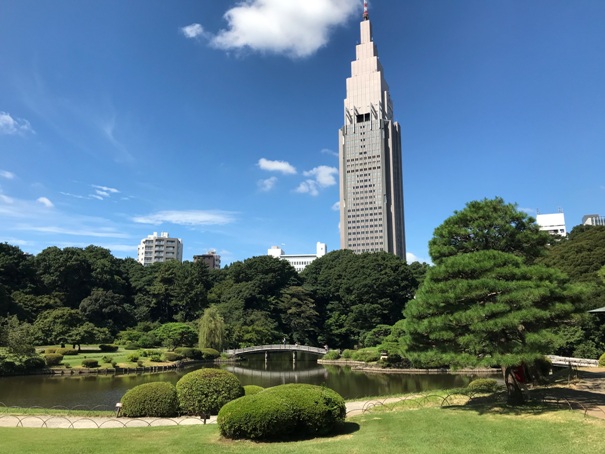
(371, 182)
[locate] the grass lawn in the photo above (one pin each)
(428, 430)
(120, 357)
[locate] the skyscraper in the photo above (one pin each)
(371, 186)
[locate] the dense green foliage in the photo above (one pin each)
(53, 359)
(189, 352)
(294, 411)
(89, 362)
(602, 360)
(484, 385)
(252, 389)
(157, 399)
(203, 392)
(489, 224)
(486, 308)
(212, 329)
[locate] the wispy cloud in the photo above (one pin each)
(410, 257)
(45, 201)
(267, 184)
(193, 31)
(6, 199)
(6, 174)
(76, 232)
(330, 152)
(102, 192)
(10, 125)
(188, 217)
(336, 206)
(292, 28)
(277, 166)
(322, 177)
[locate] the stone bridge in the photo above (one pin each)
(277, 348)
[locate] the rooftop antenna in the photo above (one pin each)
(366, 16)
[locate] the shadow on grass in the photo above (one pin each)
(345, 428)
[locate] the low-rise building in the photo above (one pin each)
(211, 259)
(552, 223)
(298, 261)
(593, 219)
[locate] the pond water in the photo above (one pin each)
(105, 390)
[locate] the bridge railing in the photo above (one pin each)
(276, 348)
(577, 362)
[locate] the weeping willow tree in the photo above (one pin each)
(211, 329)
(487, 308)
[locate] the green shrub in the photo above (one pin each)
(291, 411)
(602, 360)
(157, 399)
(131, 346)
(34, 362)
(139, 363)
(107, 359)
(108, 348)
(249, 390)
(171, 356)
(133, 357)
(53, 359)
(366, 354)
(542, 367)
(90, 363)
(143, 353)
(189, 352)
(50, 350)
(209, 353)
(347, 354)
(332, 354)
(484, 385)
(204, 391)
(66, 351)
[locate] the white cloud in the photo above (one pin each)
(267, 185)
(411, 258)
(76, 232)
(330, 152)
(277, 166)
(95, 196)
(324, 175)
(6, 199)
(308, 187)
(45, 201)
(293, 28)
(187, 217)
(530, 211)
(73, 195)
(10, 125)
(6, 174)
(193, 31)
(336, 206)
(105, 189)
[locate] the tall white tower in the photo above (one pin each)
(371, 182)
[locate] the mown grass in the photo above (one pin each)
(120, 357)
(426, 430)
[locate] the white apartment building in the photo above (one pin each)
(552, 223)
(298, 261)
(160, 248)
(593, 219)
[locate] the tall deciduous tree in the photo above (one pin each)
(489, 224)
(212, 329)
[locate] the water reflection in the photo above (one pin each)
(106, 390)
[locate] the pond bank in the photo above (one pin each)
(362, 366)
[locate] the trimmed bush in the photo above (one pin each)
(209, 353)
(249, 390)
(483, 385)
(107, 359)
(171, 356)
(367, 355)
(542, 367)
(347, 354)
(203, 392)
(133, 357)
(91, 363)
(157, 399)
(291, 411)
(53, 359)
(50, 350)
(189, 352)
(66, 351)
(602, 360)
(332, 354)
(34, 362)
(108, 348)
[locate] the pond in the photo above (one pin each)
(105, 390)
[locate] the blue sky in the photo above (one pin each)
(218, 121)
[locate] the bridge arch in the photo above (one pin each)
(277, 348)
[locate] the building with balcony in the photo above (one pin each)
(160, 248)
(298, 261)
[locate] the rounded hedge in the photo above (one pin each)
(172, 356)
(156, 399)
(189, 352)
(292, 411)
(90, 363)
(483, 385)
(108, 348)
(53, 359)
(331, 355)
(34, 362)
(602, 360)
(210, 353)
(367, 355)
(66, 351)
(204, 391)
(252, 389)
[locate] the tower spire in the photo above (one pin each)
(366, 16)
